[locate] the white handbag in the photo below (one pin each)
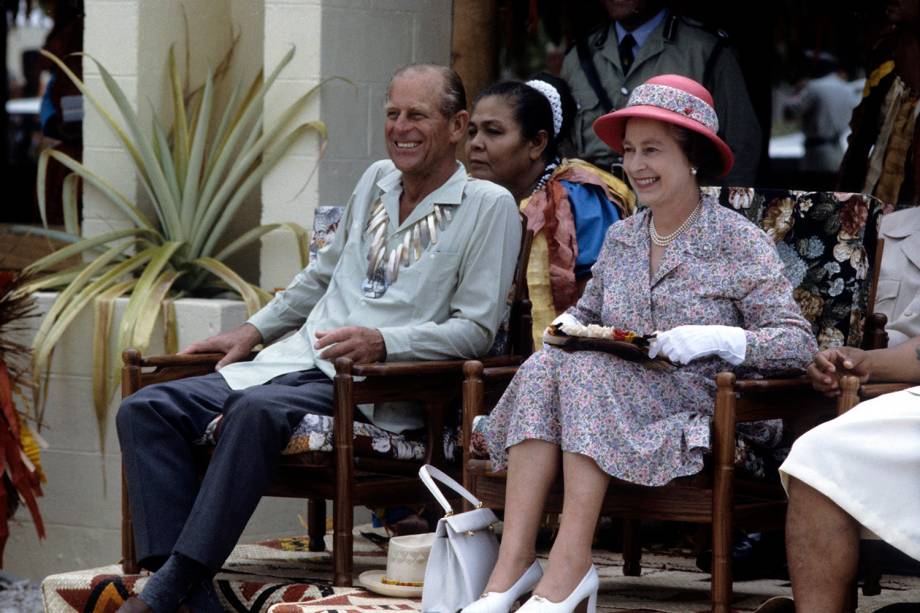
(463, 553)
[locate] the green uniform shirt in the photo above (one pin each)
(685, 54)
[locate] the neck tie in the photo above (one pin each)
(626, 52)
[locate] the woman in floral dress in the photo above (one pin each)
(702, 277)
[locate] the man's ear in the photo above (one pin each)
(538, 145)
(457, 126)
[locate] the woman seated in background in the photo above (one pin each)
(513, 140)
(702, 278)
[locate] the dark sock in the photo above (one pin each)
(169, 586)
(203, 598)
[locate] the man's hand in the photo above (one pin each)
(235, 344)
(831, 364)
(362, 345)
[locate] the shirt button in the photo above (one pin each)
(624, 91)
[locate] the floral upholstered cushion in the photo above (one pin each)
(315, 433)
(826, 241)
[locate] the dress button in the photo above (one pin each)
(624, 91)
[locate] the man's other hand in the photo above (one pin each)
(361, 345)
(235, 344)
(831, 364)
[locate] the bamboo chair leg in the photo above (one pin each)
(632, 547)
(128, 551)
(316, 524)
(723, 492)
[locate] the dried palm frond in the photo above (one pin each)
(20, 471)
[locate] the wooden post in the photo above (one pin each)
(474, 49)
(474, 43)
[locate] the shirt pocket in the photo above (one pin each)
(437, 284)
(886, 295)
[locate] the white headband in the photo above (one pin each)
(555, 101)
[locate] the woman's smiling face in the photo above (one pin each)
(655, 163)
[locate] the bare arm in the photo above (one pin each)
(899, 363)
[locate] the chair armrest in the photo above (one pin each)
(781, 398)
(432, 367)
(873, 390)
(191, 359)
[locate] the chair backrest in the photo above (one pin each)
(827, 242)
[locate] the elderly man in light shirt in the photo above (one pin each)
(420, 269)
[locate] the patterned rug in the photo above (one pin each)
(283, 576)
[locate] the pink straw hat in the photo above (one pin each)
(672, 99)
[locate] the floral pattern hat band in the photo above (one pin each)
(672, 99)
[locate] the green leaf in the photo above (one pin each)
(106, 116)
(69, 199)
(117, 198)
(68, 252)
(159, 260)
(180, 122)
(254, 297)
(251, 182)
(256, 233)
(43, 346)
(103, 309)
(147, 165)
(199, 142)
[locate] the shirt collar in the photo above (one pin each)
(450, 192)
(641, 34)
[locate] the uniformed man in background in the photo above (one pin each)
(644, 39)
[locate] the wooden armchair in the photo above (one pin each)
(723, 495)
(347, 475)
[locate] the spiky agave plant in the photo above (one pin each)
(196, 175)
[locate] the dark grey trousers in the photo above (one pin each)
(171, 510)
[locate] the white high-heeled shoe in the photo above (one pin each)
(501, 602)
(586, 588)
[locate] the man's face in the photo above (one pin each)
(419, 138)
(632, 13)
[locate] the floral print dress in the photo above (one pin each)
(649, 426)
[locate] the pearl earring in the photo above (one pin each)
(693, 170)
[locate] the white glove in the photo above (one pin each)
(684, 344)
(566, 318)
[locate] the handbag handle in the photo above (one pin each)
(429, 473)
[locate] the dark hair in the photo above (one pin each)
(700, 151)
(453, 97)
(533, 111)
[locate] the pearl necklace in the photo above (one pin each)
(664, 241)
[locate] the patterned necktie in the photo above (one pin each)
(626, 52)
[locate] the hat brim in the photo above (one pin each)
(610, 128)
(373, 580)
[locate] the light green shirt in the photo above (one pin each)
(448, 304)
